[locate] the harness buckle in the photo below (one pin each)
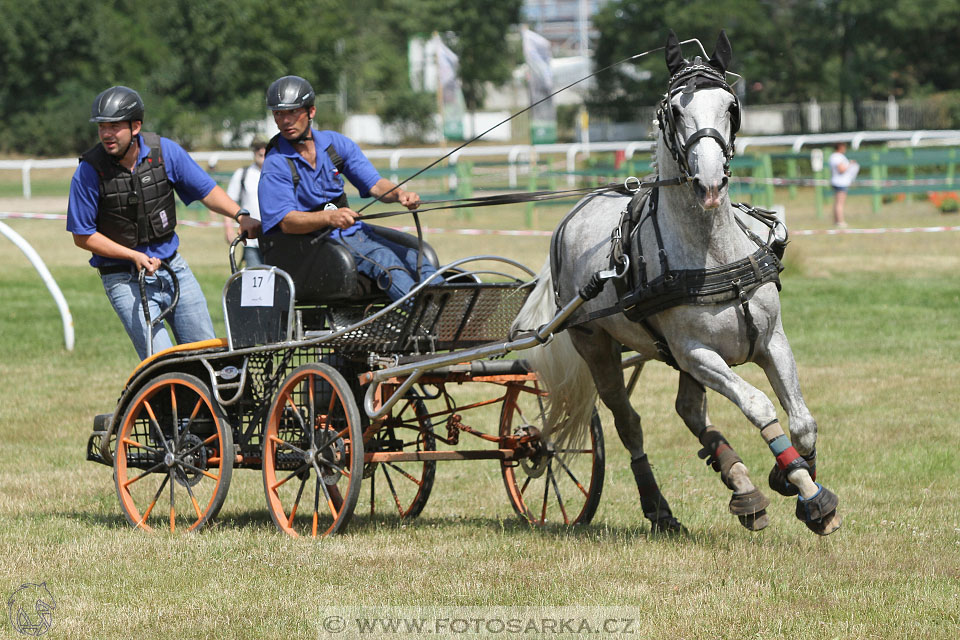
(607, 274)
(631, 180)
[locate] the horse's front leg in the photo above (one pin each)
(816, 504)
(780, 367)
(747, 503)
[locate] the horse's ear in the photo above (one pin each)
(722, 53)
(674, 55)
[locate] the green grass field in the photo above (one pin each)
(874, 321)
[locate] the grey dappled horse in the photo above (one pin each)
(725, 312)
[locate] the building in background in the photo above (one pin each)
(567, 24)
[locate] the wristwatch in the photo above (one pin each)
(242, 212)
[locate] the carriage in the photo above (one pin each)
(324, 386)
(694, 288)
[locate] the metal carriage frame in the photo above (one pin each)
(325, 397)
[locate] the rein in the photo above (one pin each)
(630, 185)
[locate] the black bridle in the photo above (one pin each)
(692, 78)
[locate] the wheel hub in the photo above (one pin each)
(190, 462)
(538, 453)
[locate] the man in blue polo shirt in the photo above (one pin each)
(301, 190)
(122, 209)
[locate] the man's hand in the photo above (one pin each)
(143, 261)
(340, 218)
(409, 199)
(249, 224)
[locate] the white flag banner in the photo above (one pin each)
(543, 117)
(451, 91)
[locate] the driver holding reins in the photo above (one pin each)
(301, 191)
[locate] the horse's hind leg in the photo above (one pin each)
(747, 503)
(602, 355)
(780, 367)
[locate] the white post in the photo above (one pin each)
(893, 114)
(25, 170)
(813, 115)
(48, 280)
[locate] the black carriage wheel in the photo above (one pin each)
(402, 487)
(174, 455)
(312, 453)
(549, 485)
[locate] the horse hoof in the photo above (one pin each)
(667, 526)
(755, 521)
(830, 523)
(749, 503)
(779, 483)
(819, 512)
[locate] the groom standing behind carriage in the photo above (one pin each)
(122, 209)
(301, 191)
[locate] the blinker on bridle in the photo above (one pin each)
(688, 80)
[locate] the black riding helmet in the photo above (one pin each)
(117, 104)
(289, 92)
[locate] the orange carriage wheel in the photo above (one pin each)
(401, 486)
(312, 453)
(549, 484)
(174, 455)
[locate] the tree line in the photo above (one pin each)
(203, 65)
(789, 51)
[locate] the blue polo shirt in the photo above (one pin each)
(189, 181)
(317, 186)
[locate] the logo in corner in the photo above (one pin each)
(31, 609)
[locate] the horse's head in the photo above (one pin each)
(699, 117)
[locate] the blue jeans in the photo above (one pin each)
(390, 265)
(190, 321)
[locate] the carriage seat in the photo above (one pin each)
(323, 270)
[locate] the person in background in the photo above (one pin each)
(122, 209)
(243, 188)
(842, 174)
(301, 190)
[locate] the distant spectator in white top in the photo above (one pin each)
(842, 174)
(243, 189)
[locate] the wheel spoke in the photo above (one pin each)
(404, 473)
(196, 469)
(193, 499)
(155, 424)
(580, 486)
(173, 511)
(153, 503)
(134, 443)
(149, 471)
(556, 489)
(546, 497)
(286, 444)
(176, 421)
(393, 490)
(293, 473)
(196, 447)
(296, 502)
(193, 415)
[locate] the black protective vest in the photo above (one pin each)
(135, 208)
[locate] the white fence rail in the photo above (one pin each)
(517, 155)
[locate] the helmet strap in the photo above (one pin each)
(306, 135)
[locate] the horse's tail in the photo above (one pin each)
(562, 372)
